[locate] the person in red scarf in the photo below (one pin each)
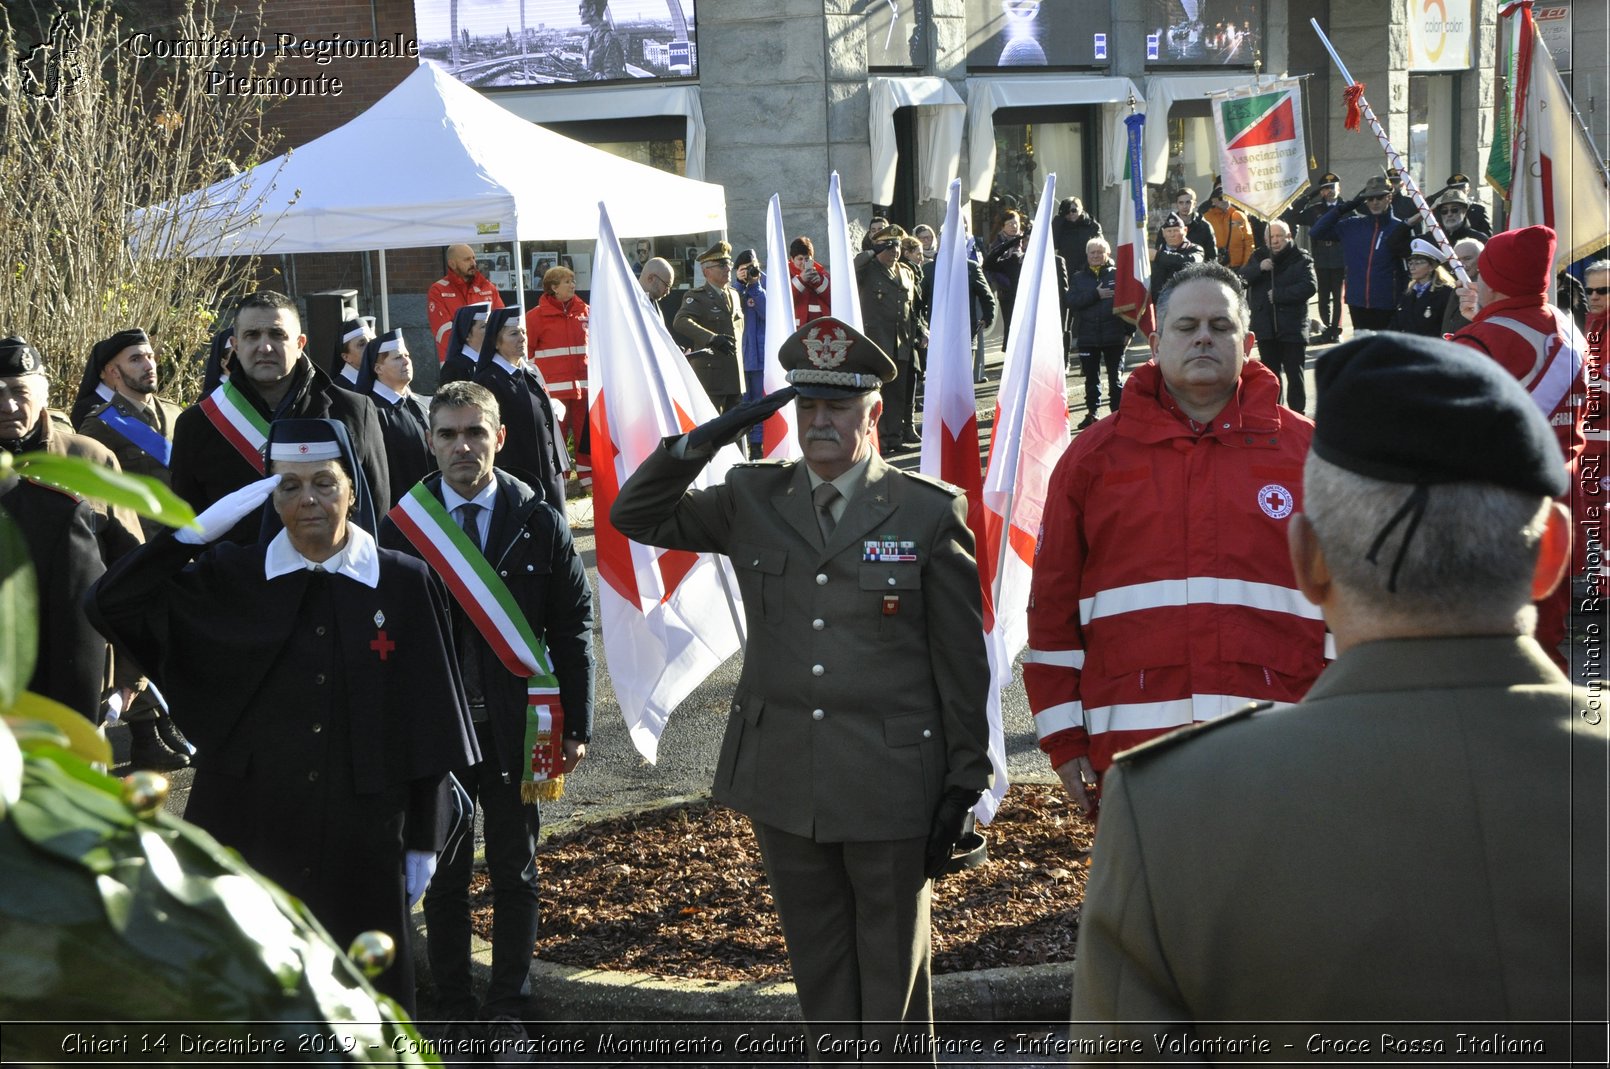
(1512, 321)
(556, 342)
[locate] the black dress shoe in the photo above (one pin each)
(151, 754)
(910, 437)
(170, 734)
(1090, 419)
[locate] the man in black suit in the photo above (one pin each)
(528, 544)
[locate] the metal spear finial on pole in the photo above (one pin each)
(1355, 99)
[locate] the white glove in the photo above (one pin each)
(418, 866)
(219, 517)
(558, 409)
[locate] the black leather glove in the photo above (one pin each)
(722, 345)
(947, 829)
(730, 426)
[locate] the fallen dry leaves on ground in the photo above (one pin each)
(681, 892)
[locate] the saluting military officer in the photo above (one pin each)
(711, 322)
(891, 316)
(1428, 825)
(857, 794)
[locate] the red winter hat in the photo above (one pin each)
(1519, 262)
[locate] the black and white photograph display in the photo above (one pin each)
(527, 43)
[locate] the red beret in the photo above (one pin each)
(1519, 262)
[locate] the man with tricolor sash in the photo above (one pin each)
(218, 443)
(522, 617)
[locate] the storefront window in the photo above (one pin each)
(1433, 128)
(1193, 159)
(1025, 153)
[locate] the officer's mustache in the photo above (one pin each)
(822, 434)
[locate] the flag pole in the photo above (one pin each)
(1354, 95)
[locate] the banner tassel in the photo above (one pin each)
(1352, 94)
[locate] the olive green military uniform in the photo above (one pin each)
(159, 416)
(707, 313)
(889, 314)
(861, 702)
(1421, 839)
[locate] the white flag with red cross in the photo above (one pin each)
(669, 617)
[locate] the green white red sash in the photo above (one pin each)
(486, 599)
(241, 425)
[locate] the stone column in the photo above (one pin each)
(1372, 40)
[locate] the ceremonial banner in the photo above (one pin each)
(1553, 175)
(669, 617)
(1131, 296)
(845, 299)
(1263, 156)
(778, 438)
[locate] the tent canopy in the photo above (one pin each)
(466, 170)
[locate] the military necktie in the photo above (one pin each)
(823, 497)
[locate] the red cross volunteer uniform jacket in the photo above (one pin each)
(1163, 592)
(446, 296)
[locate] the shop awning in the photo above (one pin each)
(984, 95)
(939, 134)
(1162, 90)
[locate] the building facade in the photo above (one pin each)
(771, 96)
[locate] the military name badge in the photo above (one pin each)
(886, 550)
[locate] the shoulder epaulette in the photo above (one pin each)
(950, 488)
(1158, 745)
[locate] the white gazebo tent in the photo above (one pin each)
(473, 172)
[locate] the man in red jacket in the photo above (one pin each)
(1539, 345)
(1163, 593)
(463, 284)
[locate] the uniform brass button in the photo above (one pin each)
(319, 679)
(755, 563)
(927, 734)
(891, 580)
(821, 580)
(317, 728)
(313, 775)
(817, 714)
(817, 669)
(319, 630)
(818, 624)
(530, 567)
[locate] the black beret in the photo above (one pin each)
(1422, 411)
(17, 357)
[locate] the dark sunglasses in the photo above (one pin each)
(1598, 291)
